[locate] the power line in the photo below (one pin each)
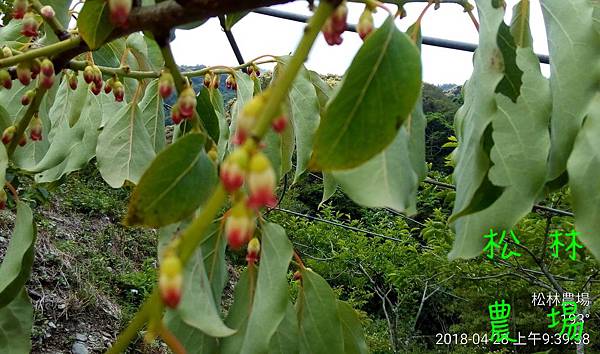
(432, 41)
(344, 226)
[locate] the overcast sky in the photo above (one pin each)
(259, 34)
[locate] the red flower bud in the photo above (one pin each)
(36, 68)
(97, 75)
(73, 81)
(207, 80)
(247, 119)
(19, 9)
(280, 123)
(46, 81)
(27, 97)
(47, 67)
(47, 11)
(336, 25)
(108, 85)
(119, 11)
(95, 88)
(30, 25)
(261, 182)
(118, 91)
(253, 251)
(233, 170)
(365, 23)
(3, 199)
(88, 74)
(35, 127)
(215, 82)
(176, 115)
(166, 85)
(187, 102)
(170, 280)
(5, 79)
(297, 275)
(239, 225)
(8, 134)
(230, 82)
(24, 73)
(22, 140)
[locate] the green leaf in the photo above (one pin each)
(232, 19)
(387, 180)
(153, 116)
(377, 95)
(71, 148)
(519, 26)
(321, 88)
(237, 317)
(584, 178)
(16, 321)
(285, 339)
(93, 23)
(207, 114)
(124, 147)
(271, 296)
(354, 336)
(197, 307)
(519, 155)
(192, 339)
(305, 116)
(217, 102)
(573, 44)
(474, 117)
(68, 104)
(319, 321)
(5, 120)
(177, 182)
(16, 265)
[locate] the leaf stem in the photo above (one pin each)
(12, 190)
(24, 122)
(284, 82)
(46, 51)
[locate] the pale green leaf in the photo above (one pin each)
(153, 115)
(124, 148)
(207, 113)
(573, 44)
(237, 317)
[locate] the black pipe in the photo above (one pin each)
(432, 41)
(232, 42)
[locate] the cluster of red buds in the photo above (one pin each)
(35, 128)
(113, 84)
(257, 173)
(365, 23)
(253, 71)
(336, 25)
(27, 97)
(230, 83)
(170, 279)
(185, 106)
(119, 11)
(212, 80)
(166, 84)
(93, 77)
